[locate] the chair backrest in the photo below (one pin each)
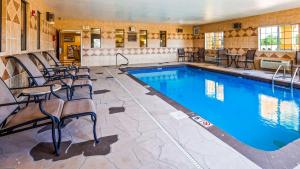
(31, 69)
(250, 54)
(201, 52)
(222, 52)
(39, 56)
(180, 52)
(54, 58)
(6, 97)
(297, 57)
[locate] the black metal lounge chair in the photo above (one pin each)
(81, 69)
(14, 117)
(65, 71)
(249, 58)
(36, 78)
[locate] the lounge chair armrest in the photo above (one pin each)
(21, 102)
(28, 87)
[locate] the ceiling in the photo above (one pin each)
(166, 11)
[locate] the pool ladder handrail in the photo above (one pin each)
(278, 69)
(127, 60)
(294, 76)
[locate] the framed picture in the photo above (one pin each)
(69, 39)
(196, 30)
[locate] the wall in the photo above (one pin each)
(153, 53)
(11, 34)
(247, 38)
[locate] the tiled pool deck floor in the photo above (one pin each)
(138, 130)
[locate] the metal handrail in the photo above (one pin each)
(294, 76)
(120, 54)
(278, 69)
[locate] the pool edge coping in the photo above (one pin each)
(264, 159)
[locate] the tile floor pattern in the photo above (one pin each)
(144, 136)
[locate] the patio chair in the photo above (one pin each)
(73, 67)
(181, 54)
(249, 58)
(14, 117)
(50, 71)
(200, 56)
(221, 56)
(36, 78)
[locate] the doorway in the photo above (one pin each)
(70, 47)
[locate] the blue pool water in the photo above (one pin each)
(246, 109)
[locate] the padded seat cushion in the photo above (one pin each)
(78, 106)
(32, 112)
(68, 81)
(80, 82)
(83, 73)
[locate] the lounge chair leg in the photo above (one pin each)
(67, 91)
(59, 135)
(71, 93)
(94, 119)
(91, 92)
(54, 137)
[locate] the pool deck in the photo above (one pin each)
(138, 130)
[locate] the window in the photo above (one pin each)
(38, 30)
(23, 25)
(214, 40)
(163, 39)
(279, 38)
(143, 39)
(119, 38)
(95, 38)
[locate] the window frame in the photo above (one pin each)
(214, 41)
(92, 44)
(123, 32)
(38, 30)
(146, 38)
(279, 39)
(24, 23)
(161, 40)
